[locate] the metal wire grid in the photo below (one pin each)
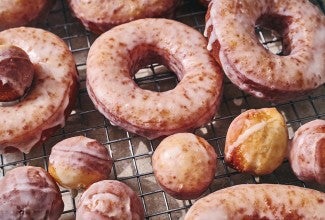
(131, 153)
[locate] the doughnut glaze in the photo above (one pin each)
(100, 16)
(307, 152)
(260, 201)
(15, 13)
(254, 69)
(257, 141)
(109, 199)
(119, 53)
(45, 107)
(184, 165)
(29, 193)
(78, 162)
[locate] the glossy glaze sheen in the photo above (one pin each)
(117, 54)
(230, 27)
(257, 141)
(307, 152)
(25, 124)
(184, 165)
(15, 13)
(29, 193)
(77, 162)
(101, 15)
(260, 202)
(109, 200)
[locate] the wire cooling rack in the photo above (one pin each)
(131, 153)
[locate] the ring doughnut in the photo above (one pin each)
(45, 107)
(99, 17)
(15, 13)
(254, 69)
(119, 53)
(260, 201)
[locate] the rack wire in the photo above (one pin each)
(132, 153)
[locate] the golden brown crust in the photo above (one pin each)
(257, 141)
(78, 162)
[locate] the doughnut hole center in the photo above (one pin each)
(152, 71)
(272, 32)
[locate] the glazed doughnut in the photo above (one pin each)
(29, 193)
(174, 161)
(109, 199)
(16, 73)
(260, 201)
(257, 141)
(119, 53)
(78, 162)
(307, 152)
(100, 16)
(254, 69)
(15, 13)
(45, 107)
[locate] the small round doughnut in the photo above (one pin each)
(44, 108)
(29, 193)
(256, 70)
(260, 201)
(119, 53)
(78, 162)
(15, 13)
(184, 165)
(307, 152)
(256, 141)
(100, 16)
(109, 199)
(16, 73)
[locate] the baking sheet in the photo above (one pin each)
(131, 153)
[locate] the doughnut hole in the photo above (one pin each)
(16, 73)
(272, 32)
(256, 141)
(77, 162)
(109, 199)
(184, 165)
(151, 71)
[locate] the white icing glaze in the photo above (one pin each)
(257, 70)
(261, 201)
(106, 14)
(109, 199)
(79, 161)
(29, 193)
(174, 161)
(190, 104)
(15, 13)
(246, 134)
(306, 150)
(44, 106)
